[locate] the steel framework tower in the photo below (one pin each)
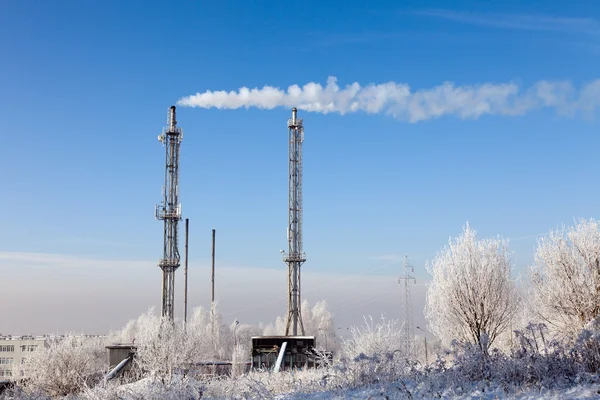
(295, 257)
(407, 317)
(170, 212)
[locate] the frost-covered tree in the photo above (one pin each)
(163, 346)
(65, 366)
(275, 329)
(317, 321)
(240, 345)
(472, 297)
(207, 324)
(565, 277)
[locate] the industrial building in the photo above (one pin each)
(298, 352)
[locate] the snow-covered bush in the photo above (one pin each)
(472, 297)
(374, 352)
(536, 362)
(269, 385)
(64, 366)
(542, 361)
(587, 347)
(372, 338)
(183, 387)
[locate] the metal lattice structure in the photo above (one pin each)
(169, 211)
(407, 312)
(295, 257)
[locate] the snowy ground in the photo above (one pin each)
(390, 392)
(154, 389)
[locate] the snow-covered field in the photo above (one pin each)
(188, 389)
(394, 392)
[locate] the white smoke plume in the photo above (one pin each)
(397, 99)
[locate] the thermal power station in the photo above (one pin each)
(169, 211)
(295, 257)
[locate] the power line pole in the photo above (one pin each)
(407, 314)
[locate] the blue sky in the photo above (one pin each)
(86, 87)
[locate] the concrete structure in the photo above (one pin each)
(118, 352)
(13, 352)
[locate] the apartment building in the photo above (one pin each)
(14, 350)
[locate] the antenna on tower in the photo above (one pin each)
(295, 257)
(169, 211)
(407, 314)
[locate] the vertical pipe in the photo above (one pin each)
(212, 292)
(185, 272)
(173, 120)
(212, 298)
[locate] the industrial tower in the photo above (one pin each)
(170, 212)
(407, 317)
(295, 257)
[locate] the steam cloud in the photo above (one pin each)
(397, 99)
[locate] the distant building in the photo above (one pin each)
(14, 351)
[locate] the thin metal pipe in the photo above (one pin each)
(185, 272)
(212, 292)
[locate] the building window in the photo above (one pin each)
(5, 372)
(6, 360)
(7, 348)
(28, 347)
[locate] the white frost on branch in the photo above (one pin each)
(164, 346)
(382, 338)
(64, 366)
(472, 297)
(565, 276)
(399, 101)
